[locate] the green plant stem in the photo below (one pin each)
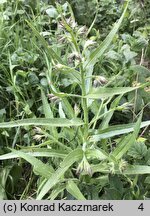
(97, 118)
(58, 143)
(136, 91)
(99, 111)
(84, 100)
(26, 190)
(84, 103)
(97, 9)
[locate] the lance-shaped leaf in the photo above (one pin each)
(46, 46)
(54, 122)
(105, 44)
(137, 170)
(115, 130)
(129, 170)
(96, 153)
(103, 93)
(48, 113)
(73, 189)
(126, 142)
(36, 152)
(64, 166)
(39, 167)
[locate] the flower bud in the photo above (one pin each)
(76, 110)
(84, 166)
(53, 98)
(99, 81)
(37, 137)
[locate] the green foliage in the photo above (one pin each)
(74, 112)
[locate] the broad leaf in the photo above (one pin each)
(140, 70)
(138, 150)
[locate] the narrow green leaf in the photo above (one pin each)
(48, 113)
(126, 142)
(73, 189)
(42, 152)
(115, 131)
(57, 191)
(64, 166)
(137, 170)
(53, 180)
(39, 167)
(96, 153)
(103, 93)
(102, 167)
(129, 170)
(123, 146)
(46, 107)
(72, 157)
(61, 112)
(105, 44)
(137, 126)
(66, 105)
(108, 116)
(4, 173)
(46, 46)
(55, 122)
(69, 72)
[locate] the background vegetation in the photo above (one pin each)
(75, 99)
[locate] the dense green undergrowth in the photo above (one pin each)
(75, 101)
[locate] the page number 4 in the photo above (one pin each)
(141, 207)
